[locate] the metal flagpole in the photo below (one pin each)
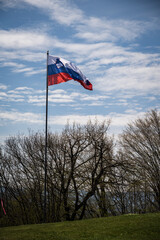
(46, 143)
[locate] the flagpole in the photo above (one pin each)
(46, 143)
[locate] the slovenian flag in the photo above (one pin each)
(61, 70)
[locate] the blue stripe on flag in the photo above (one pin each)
(52, 69)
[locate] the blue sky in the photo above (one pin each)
(114, 43)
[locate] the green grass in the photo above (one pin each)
(126, 227)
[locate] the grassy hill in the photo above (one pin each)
(126, 227)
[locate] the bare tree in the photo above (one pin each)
(141, 146)
(22, 175)
(78, 160)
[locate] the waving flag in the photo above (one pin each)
(61, 70)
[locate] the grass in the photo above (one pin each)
(126, 227)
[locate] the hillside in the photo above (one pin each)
(126, 227)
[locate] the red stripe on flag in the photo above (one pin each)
(89, 87)
(58, 78)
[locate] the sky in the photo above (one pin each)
(116, 44)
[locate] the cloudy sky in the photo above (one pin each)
(116, 44)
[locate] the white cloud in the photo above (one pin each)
(57, 91)
(86, 97)
(61, 11)
(53, 98)
(144, 79)
(21, 68)
(151, 98)
(25, 55)
(13, 64)
(11, 97)
(29, 71)
(2, 94)
(111, 30)
(25, 90)
(23, 39)
(9, 3)
(16, 95)
(61, 96)
(65, 12)
(38, 97)
(3, 87)
(27, 117)
(118, 120)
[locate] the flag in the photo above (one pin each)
(61, 70)
(3, 207)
